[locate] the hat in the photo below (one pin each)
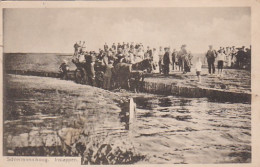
(183, 45)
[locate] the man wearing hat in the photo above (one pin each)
(132, 46)
(64, 68)
(118, 46)
(89, 67)
(211, 55)
(105, 47)
(241, 55)
(137, 46)
(248, 58)
(181, 57)
(76, 48)
(174, 57)
(82, 48)
(124, 46)
(166, 61)
(160, 54)
(114, 46)
(149, 52)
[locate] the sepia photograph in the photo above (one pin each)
(128, 85)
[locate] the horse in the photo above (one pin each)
(143, 65)
(121, 74)
(124, 72)
(80, 72)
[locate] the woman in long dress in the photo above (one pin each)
(139, 56)
(155, 61)
(228, 56)
(187, 62)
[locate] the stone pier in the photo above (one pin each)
(195, 92)
(163, 87)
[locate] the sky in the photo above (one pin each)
(56, 30)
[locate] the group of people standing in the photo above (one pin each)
(178, 60)
(163, 60)
(134, 53)
(231, 57)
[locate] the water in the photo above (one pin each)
(183, 130)
(166, 129)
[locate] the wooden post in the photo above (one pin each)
(132, 110)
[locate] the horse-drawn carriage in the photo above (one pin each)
(89, 73)
(125, 75)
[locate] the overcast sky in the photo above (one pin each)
(56, 30)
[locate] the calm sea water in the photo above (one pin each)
(167, 129)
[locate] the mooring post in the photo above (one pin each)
(132, 113)
(132, 110)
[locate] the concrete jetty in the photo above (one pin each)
(161, 86)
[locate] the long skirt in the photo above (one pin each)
(187, 64)
(229, 61)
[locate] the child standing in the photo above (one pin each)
(221, 58)
(198, 69)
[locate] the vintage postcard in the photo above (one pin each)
(130, 83)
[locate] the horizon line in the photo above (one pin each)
(37, 53)
(58, 53)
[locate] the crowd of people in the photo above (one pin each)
(163, 60)
(134, 53)
(230, 57)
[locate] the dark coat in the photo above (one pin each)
(174, 56)
(211, 55)
(166, 58)
(241, 55)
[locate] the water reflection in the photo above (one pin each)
(124, 116)
(173, 126)
(165, 102)
(144, 103)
